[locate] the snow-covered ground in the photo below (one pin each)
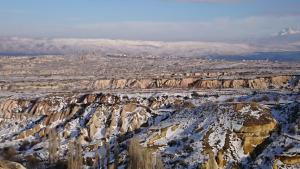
(257, 130)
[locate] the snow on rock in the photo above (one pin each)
(186, 131)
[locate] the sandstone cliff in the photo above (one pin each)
(289, 82)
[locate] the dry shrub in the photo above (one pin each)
(140, 158)
(158, 162)
(75, 159)
(53, 147)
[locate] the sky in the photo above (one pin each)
(164, 20)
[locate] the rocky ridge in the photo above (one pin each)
(213, 81)
(188, 131)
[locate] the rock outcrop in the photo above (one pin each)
(257, 127)
(251, 82)
(4, 164)
(289, 160)
(178, 128)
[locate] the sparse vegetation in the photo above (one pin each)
(53, 147)
(75, 159)
(140, 158)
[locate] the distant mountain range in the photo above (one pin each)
(287, 40)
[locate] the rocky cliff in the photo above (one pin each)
(289, 82)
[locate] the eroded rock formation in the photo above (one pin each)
(181, 129)
(289, 82)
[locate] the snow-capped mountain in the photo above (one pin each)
(29, 46)
(288, 31)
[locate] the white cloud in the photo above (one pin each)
(137, 48)
(222, 29)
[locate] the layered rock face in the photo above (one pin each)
(290, 82)
(187, 131)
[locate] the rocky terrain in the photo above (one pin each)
(258, 130)
(148, 112)
(92, 72)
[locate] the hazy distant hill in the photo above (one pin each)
(283, 44)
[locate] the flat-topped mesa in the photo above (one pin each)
(276, 81)
(290, 82)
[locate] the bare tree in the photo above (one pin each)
(53, 147)
(75, 159)
(140, 158)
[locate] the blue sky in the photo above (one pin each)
(170, 20)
